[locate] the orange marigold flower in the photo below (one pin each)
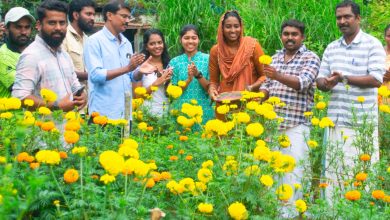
(378, 194)
(365, 157)
(189, 157)
(357, 183)
(386, 199)
(22, 157)
(353, 195)
(156, 176)
(150, 183)
(47, 126)
(323, 185)
(181, 151)
(183, 138)
(149, 128)
(372, 203)
(30, 159)
(71, 176)
(34, 166)
(63, 155)
(166, 175)
(38, 123)
(173, 158)
(100, 120)
(170, 146)
(94, 114)
(95, 177)
(71, 137)
(361, 176)
(72, 126)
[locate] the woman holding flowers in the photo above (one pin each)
(234, 62)
(154, 85)
(192, 67)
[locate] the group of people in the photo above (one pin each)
(64, 59)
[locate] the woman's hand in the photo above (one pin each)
(213, 93)
(192, 71)
(166, 75)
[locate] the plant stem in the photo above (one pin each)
(58, 186)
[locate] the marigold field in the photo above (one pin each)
(56, 165)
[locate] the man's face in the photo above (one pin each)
(119, 19)
(292, 38)
(347, 22)
(19, 32)
(53, 28)
(86, 19)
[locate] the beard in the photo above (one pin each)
(85, 26)
(52, 41)
(19, 41)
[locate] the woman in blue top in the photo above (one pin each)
(192, 67)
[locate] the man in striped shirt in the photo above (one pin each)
(352, 68)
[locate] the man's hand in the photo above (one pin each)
(80, 100)
(65, 104)
(386, 77)
(271, 72)
(136, 60)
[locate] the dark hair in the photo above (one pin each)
(185, 29)
(231, 14)
(78, 5)
(348, 3)
(51, 5)
(387, 28)
(113, 7)
(164, 56)
(294, 23)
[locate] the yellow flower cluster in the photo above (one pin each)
(266, 110)
(284, 141)
(140, 91)
(28, 119)
(208, 164)
(246, 95)
(28, 102)
(241, 117)
(44, 111)
(185, 122)
(223, 109)
(353, 195)
(265, 59)
(48, 95)
(174, 91)
(218, 127)
(384, 91)
(321, 105)
(254, 129)
(312, 144)
(238, 211)
(81, 151)
(136, 103)
(7, 104)
(117, 122)
(129, 142)
(48, 157)
(282, 162)
(384, 108)
(6, 115)
(71, 176)
(128, 151)
(112, 162)
(205, 208)
(142, 126)
(205, 175)
(181, 83)
(107, 178)
(230, 166)
(71, 137)
(192, 110)
(300, 205)
(360, 99)
(326, 122)
(253, 170)
(266, 180)
(284, 192)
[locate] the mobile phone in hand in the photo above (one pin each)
(79, 91)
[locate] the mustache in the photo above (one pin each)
(58, 32)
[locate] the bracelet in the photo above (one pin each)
(199, 76)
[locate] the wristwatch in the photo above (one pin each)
(344, 79)
(199, 76)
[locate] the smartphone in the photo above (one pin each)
(79, 91)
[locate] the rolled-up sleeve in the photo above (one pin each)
(94, 62)
(309, 72)
(27, 76)
(325, 67)
(376, 61)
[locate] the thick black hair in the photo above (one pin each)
(78, 5)
(185, 29)
(113, 7)
(164, 56)
(51, 5)
(293, 23)
(387, 28)
(231, 14)
(348, 3)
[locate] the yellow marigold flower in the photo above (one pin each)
(107, 178)
(181, 83)
(361, 176)
(56, 202)
(378, 194)
(386, 199)
(127, 151)
(208, 164)
(28, 102)
(384, 91)
(70, 116)
(365, 157)
(12, 104)
(297, 186)
(284, 141)
(252, 105)
(230, 167)
(262, 153)
(353, 195)
(71, 176)
(273, 100)
(315, 121)
(44, 111)
(384, 108)
(242, 117)
(183, 138)
(205, 175)
(188, 184)
(142, 126)
(200, 186)
(308, 114)
(223, 109)
(312, 144)
(3, 160)
(112, 162)
(300, 205)
(48, 126)
(254, 129)
(205, 208)
(129, 142)
(6, 115)
(175, 187)
(326, 122)
(174, 91)
(140, 91)
(48, 95)
(72, 125)
(154, 88)
(266, 180)
(321, 105)
(48, 157)
(265, 59)
(360, 99)
(253, 170)
(238, 211)
(284, 192)
(80, 150)
(71, 137)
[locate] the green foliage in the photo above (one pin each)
(378, 18)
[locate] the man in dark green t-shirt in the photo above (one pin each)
(18, 26)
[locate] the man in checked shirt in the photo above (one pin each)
(290, 77)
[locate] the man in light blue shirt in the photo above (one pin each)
(106, 57)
